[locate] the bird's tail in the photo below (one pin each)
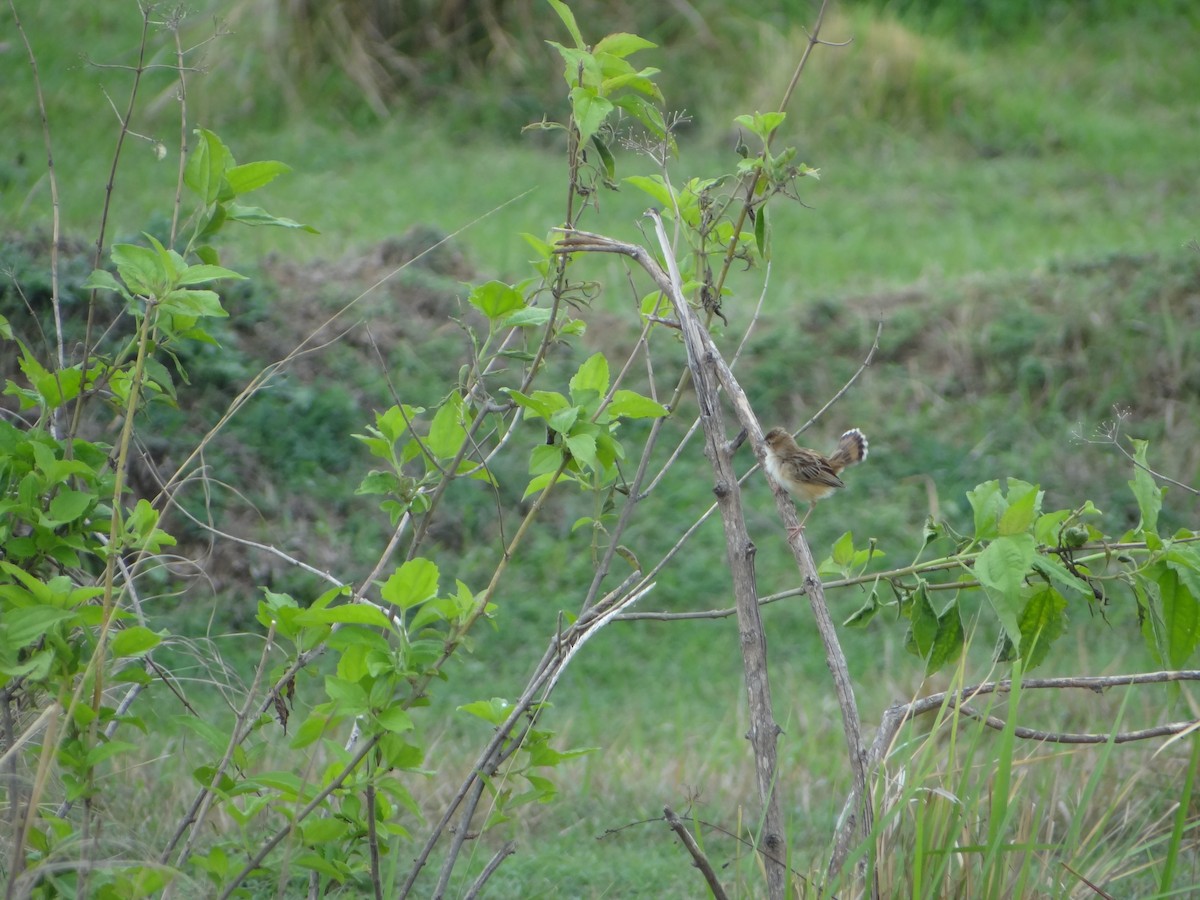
(851, 449)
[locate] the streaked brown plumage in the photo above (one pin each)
(807, 474)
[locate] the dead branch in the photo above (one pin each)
(699, 859)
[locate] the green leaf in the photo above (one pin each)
(493, 711)
(107, 750)
(1180, 616)
(256, 216)
(188, 302)
(349, 696)
(541, 403)
(632, 405)
(564, 420)
(528, 317)
(346, 614)
(590, 111)
(1046, 529)
(988, 504)
(22, 627)
(623, 44)
(538, 484)
(760, 232)
(446, 431)
(592, 376)
(103, 280)
(1055, 571)
(69, 505)
(251, 176)
(495, 299)
(568, 19)
(545, 458)
(134, 641)
(395, 719)
(656, 187)
(761, 124)
(1149, 495)
(1023, 502)
(923, 624)
(1001, 569)
(843, 549)
(202, 273)
(1043, 621)
(583, 449)
(141, 269)
(948, 642)
(413, 583)
(207, 165)
(606, 160)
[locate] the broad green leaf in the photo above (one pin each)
(68, 505)
(346, 614)
(989, 504)
(103, 280)
(1001, 569)
(541, 403)
(638, 81)
(255, 216)
(606, 159)
(190, 302)
(761, 124)
(207, 165)
(623, 44)
(568, 19)
(590, 110)
(592, 376)
(348, 695)
(395, 719)
(1023, 501)
(446, 431)
(134, 641)
(493, 711)
(1180, 616)
(251, 176)
(632, 405)
(22, 627)
(528, 317)
(141, 269)
(948, 642)
(843, 549)
(1149, 495)
(413, 583)
(1043, 621)
(583, 449)
(202, 273)
(923, 624)
(317, 830)
(1046, 529)
(495, 299)
(1054, 570)
(656, 187)
(564, 420)
(538, 484)
(107, 750)
(760, 232)
(545, 458)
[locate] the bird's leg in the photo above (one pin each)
(794, 533)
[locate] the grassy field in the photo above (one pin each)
(1016, 209)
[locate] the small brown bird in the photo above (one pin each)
(806, 474)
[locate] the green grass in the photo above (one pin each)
(1014, 210)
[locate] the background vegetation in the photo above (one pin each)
(1012, 191)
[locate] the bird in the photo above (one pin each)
(807, 474)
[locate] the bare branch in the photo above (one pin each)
(698, 858)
